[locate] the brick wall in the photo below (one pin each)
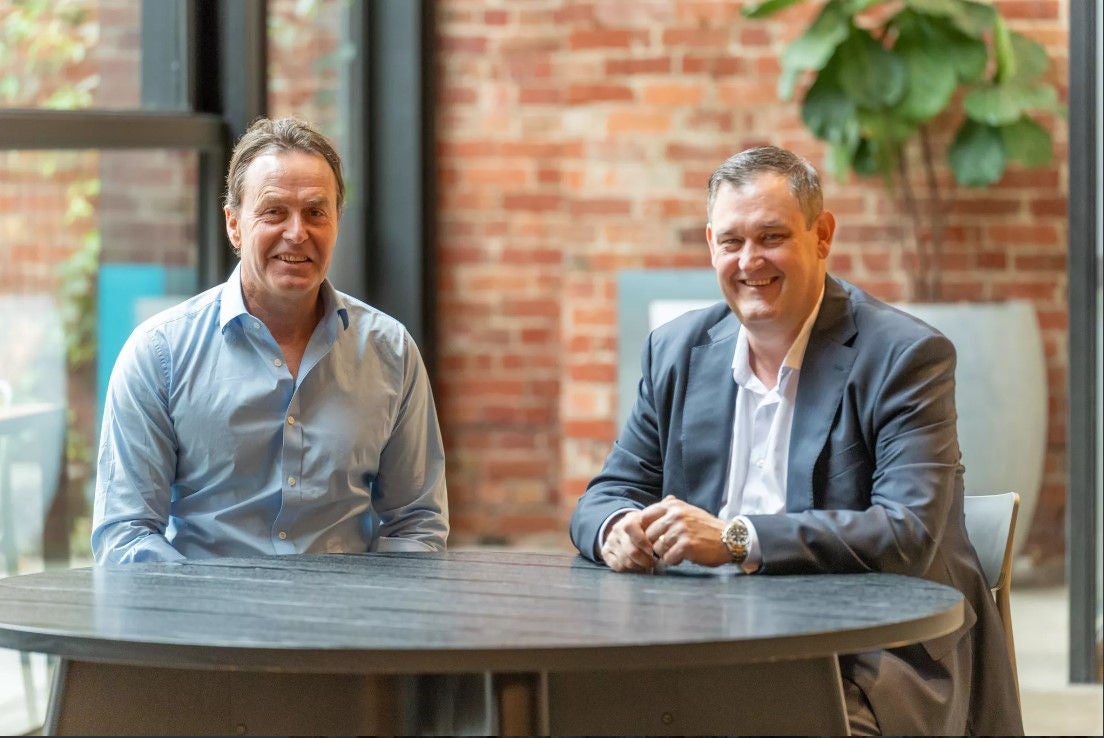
(574, 139)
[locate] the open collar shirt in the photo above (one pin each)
(763, 418)
(209, 446)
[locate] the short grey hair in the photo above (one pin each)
(741, 168)
(265, 136)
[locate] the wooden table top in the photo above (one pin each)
(457, 611)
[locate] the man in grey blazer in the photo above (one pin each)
(805, 427)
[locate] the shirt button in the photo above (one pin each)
(759, 464)
(291, 481)
(277, 362)
(256, 325)
(283, 535)
(291, 420)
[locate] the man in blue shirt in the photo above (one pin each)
(271, 414)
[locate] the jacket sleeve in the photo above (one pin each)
(632, 476)
(887, 487)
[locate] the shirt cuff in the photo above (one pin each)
(387, 543)
(602, 530)
(755, 555)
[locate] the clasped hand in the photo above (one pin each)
(666, 533)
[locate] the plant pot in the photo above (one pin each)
(1001, 396)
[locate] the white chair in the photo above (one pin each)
(991, 525)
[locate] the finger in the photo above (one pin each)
(675, 552)
(658, 528)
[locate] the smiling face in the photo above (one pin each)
(285, 229)
(769, 263)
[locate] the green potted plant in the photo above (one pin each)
(884, 79)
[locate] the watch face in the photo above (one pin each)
(736, 539)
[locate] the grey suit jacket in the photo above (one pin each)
(874, 484)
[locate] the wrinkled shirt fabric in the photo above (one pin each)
(209, 446)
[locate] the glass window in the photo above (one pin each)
(83, 54)
(92, 243)
(308, 47)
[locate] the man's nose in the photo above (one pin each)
(294, 230)
(751, 256)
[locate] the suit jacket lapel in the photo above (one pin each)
(707, 416)
(824, 371)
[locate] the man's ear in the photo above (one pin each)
(709, 241)
(233, 228)
(826, 231)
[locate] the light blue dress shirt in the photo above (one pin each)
(209, 447)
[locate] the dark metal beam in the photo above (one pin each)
(1083, 434)
(107, 129)
(401, 279)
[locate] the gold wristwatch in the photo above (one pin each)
(736, 539)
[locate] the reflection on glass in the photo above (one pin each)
(92, 242)
(70, 55)
(308, 45)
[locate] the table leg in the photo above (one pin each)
(522, 703)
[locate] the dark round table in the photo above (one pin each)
(551, 643)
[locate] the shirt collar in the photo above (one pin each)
(232, 304)
(741, 366)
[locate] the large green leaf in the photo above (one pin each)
(767, 8)
(885, 125)
(996, 106)
(1027, 142)
(815, 47)
(971, 18)
(865, 160)
(870, 74)
(1005, 103)
(977, 154)
(930, 80)
(829, 113)
(1031, 58)
(943, 40)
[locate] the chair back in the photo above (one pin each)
(991, 524)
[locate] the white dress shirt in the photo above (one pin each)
(761, 427)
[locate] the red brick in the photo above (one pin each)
(1030, 9)
(1045, 263)
(538, 203)
(537, 308)
(652, 65)
(1031, 235)
(673, 94)
(695, 37)
(593, 373)
(600, 38)
(580, 94)
(716, 66)
(540, 96)
(600, 207)
(595, 429)
(634, 121)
